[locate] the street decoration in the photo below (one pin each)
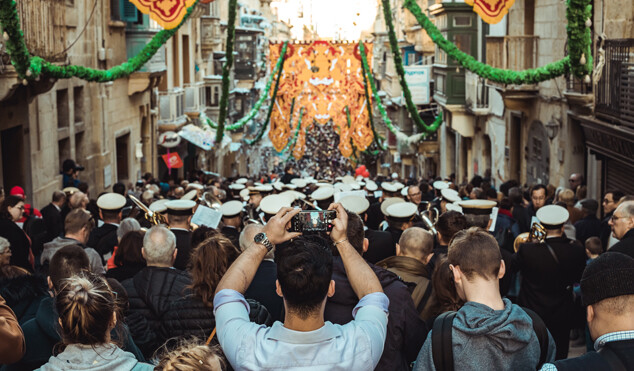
(491, 11)
(172, 160)
(167, 13)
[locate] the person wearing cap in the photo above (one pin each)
(622, 223)
(608, 295)
(29, 210)
(447, 196)
(589, 225)
(104, 238)
(179, 216)
(323, 197)
(548, 269)
(232, 221)
(255, 196)
(51, 214)
(400, 216)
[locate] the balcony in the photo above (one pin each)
(211, 35)
(135, 39)
(44, 26)
(172, 109)
(615, 90)
(476, 94)
(213, 85)
(194, 98)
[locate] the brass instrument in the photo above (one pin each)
(151, 216)
(429, 215)
(208, 199)
(536, 234)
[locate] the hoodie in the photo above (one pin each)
(50, 248)
(105, 357)
(23, 294)
(487, 339)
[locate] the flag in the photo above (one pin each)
(172, 160)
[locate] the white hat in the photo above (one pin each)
(552, 216)
(389, 202)
(299, 182)
(450, 195)
(257, 184)
(355, 186)
(271, 204)
(323, 184)
(454, 207)
(477, 207)
(241, 181)
(356, 204)
(290, 186)
(158, 206)
(245, 194)
(398, 185)
(278, 186)
(404, 191)
(293, 195)
(237, 186)
(440, 185)
(388, 187)
(111, 201)
(402, 210)
(371, 186)
(191, 195)
(180, 207)
(343, 187)
(231, 208)
(394, 175)
(322, 193)
(347, 179)
(197, 186)
(70, 190)
(264, 188)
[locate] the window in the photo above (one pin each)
(462, 21)
(122, 157)
(463, 42)
(78, 101)
(216, 98)
(63, 150)
(124, 10)
(62, 108)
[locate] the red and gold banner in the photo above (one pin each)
(491, 11)
(324, 78)
(167, 13)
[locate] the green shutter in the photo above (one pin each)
(129, 12)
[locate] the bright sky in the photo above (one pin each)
(332, 19)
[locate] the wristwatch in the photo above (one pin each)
(261, 239)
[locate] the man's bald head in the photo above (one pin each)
(247, 236)
(78, 200)
(416, 243)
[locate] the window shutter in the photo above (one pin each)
(129, 12)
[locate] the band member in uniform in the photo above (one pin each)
(400, 216)
(232, 220)
(323, 196)
(271, 204)
(179, 216)
(548, 270)
(447, 196)
(103, 239)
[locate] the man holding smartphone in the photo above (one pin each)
(304, 273)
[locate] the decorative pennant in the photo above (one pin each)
(167, 13)
(172, 160)
(491, 11)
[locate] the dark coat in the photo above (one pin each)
(522, 217)
(375, 216)
(589, 226)
(53, 221)
(103, 239)
(150, 293)
(124, 272)
(20, 244)
(626, 244)
(413, 271)
(606, 230)
(191, 317)
(406, 332)
(262, 289)
(381, 246)
(594, 361)
(232, 234)
(183, 244)
(439, 252)
(23, 294)
(41, 334)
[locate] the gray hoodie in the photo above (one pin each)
(107, 357)
(487, 339)
(50, 248)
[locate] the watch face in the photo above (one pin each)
(259, 237)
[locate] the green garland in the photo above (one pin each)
(579, 15)
(226, 69)
(265, 94)
(530, 76)
(377, 137)
(293, 140)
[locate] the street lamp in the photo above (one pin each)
(552, 128)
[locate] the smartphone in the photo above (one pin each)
(313, 221)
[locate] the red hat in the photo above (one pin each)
(17, 191)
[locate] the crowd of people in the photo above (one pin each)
(409, 274)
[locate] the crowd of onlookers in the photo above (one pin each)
(385, 289)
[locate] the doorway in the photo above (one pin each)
(13, 169)
(537, 165)
(514, 149)
(123, 156)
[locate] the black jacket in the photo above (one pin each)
(191, 317)
(124, 272)
(20, 244)
(150, 293)
(626, 244)
(624, 350)
(183, 244)
(375, 216)
(406, 332)
(381, 246)
(23, 294)
(262, 289)
(232, 234)
(606, 230)
(103, 239)
(587, 227)
(53, 221)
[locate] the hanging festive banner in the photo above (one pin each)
(172, 160)
(491, 11)
(324, 78)
(167, 13)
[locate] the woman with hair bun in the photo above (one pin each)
(87, 313)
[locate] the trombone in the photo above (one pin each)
(151, 216)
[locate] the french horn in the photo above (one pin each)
(536, 234)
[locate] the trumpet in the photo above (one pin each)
(151, 216)
(536, 234)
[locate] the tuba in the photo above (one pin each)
(536, 234)
(151, 216)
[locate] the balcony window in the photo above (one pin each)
(463, 42)
(124, 10)
(462, 21)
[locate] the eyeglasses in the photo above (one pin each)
(606, 201)
(414, 194)
(615, 217)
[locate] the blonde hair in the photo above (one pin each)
(192, 355)
(85, 305)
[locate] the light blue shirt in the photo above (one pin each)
(357, 345)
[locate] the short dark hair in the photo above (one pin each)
(537, 187)
(58, 196)
(593, 244)
(450, 223)
(67, 262)
(516, 196)
(491, 193)
(129, 250)
(83, 187)
(119, 188)
(304, 271)
(78, 219)
(9, 201)
(616, 194)
(476, 252)
(355, 232)
(506, 203)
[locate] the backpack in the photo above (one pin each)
(442, 345)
